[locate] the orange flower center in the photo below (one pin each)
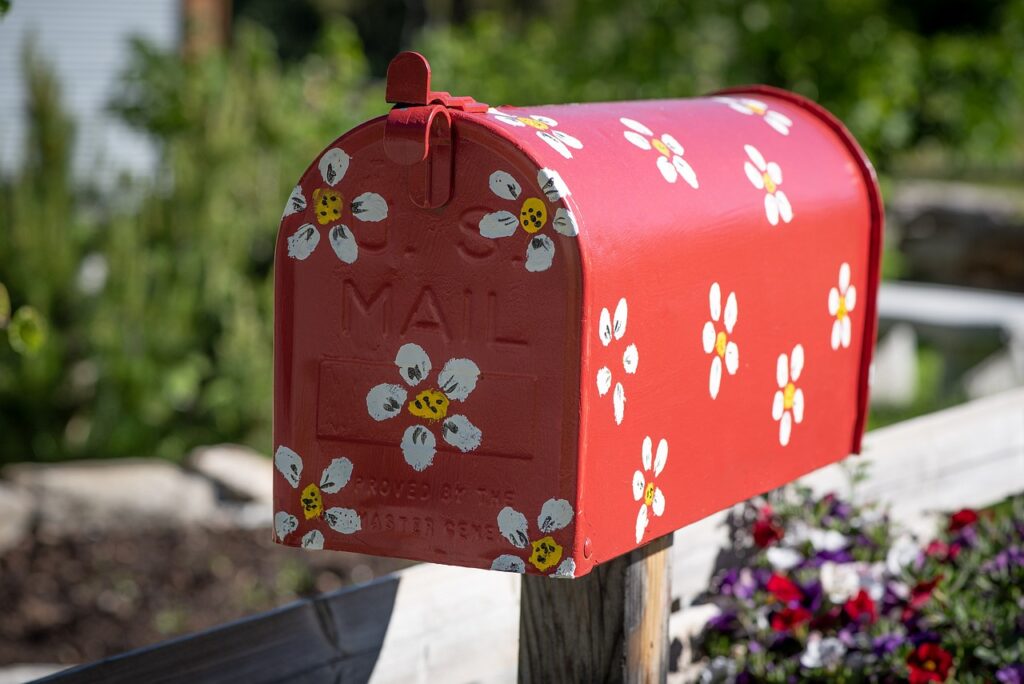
(720, 341)
(533, 123)
(787, 396)
(533, 215)
(430, 404)
(769, 184)
(661, 147)
(328, 205)
(312, 502)
(649, 494)
(546, 553)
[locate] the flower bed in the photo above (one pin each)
(832, 591)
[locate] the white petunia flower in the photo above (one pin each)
(823, 653)
(670, 160)
(544, 552)
(650, 496)
(788, 402)
(546, 130)
(332, 480)
(608, 330)
(841, 301)
(782, 558)
(767, 176)
(455, 382)
(751, 107)
(903, 552)
(724, 351)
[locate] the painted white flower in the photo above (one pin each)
(332, 480)
(670, 160)
(823, 653)
(788, 402)
(455, 382)
(841, 301)
(546, 130)
(329, 207)
(751, 107)
(650, 496)
(545, 552)
(533, 215)
(767, 176)
(607, 330)
(724, 352)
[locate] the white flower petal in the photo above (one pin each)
(844, 276)
(782, 370)
(851, 298)
(686, 171)
(785, 209)
(604, 381)
(715, 301)
(289, 464)
(715, 377)
(343, 242)
(672, 144)
(604, 327)
(385, 401)
(778, 121)
(756, 157)
(619, 402)
(775, 173)
(668, 171)
(313, 540)
(833, 301)
(639, 483)
(796, 362)
(418, 447)
(498, 224)
(660, 458)
(837, 333)
(708, 337)
(343, 520)
(513, 526)
(333, 165)
(637, 139)
(284, 524)
(785, 428)
(847, 332)
(732, 357)
(753, 175)
(630, 359)
(504, 185)
(555, 144)
(509, 563)
(658, 504)
(296, 202)
(552, 185)
(460, 433)
(636, 126)
(782, 558)
(370, 207)
(303, 241)
(621, 314)
(828, 540)
(566, 569)
(555, 515)
(798, 405)
(546, 120)
(641, 522)
(771, 209)
(539, 253)
(413, 363)
(568, 140)
(458, 378)
(565, 222)
(647, 453)
(732, 311)
(778, 404)
(336, 475)
(507, 118)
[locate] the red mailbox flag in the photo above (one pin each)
(532, 339)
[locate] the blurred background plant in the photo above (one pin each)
(143, 317)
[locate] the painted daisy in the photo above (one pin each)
(546, 130)
(607, 330)
(788, 402)
(767, 176)
(670, 153)
(455, 382)
(841, 301)
(751, 107)
(311, 497)
(650, 496)
(723, 350)
(545, 552)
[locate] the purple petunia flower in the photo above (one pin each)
(886, 644)
(1011, 674)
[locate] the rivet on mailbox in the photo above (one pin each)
(504, 335)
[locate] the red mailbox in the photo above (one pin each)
(532, 339)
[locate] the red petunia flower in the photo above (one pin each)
(789, 618)
(784, 589)
(767, 532)
(962, 518)
(929, 663)
(936, 549)
(919, 595)
(861, 608)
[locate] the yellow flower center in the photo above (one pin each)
(720, 341)
(841, 313)
(661, 147)
(533, 215)
(769, 184)
(430, 404)
(312, 502)
(328, 205)
(787, 396)
(757, 108)
(546, 553)
(649, 493)
(539, 125)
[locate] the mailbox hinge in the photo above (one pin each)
(418, 132)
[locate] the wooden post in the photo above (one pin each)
(610, 626)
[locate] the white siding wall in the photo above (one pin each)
(86, 41)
